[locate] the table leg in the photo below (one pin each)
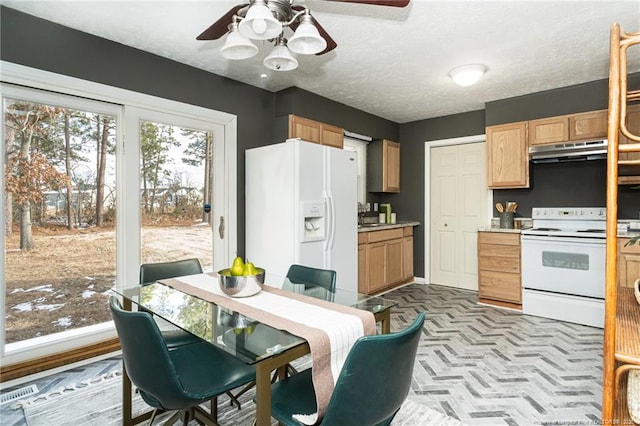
(263, 394)
(263, 379)
(384, 318)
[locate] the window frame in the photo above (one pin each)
(360, 148)
(65, 87)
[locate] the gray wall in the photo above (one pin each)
(571, 184)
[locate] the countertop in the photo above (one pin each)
(506, 230)
(383, 226)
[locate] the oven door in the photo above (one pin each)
(564, 265)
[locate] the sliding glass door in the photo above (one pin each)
(60, 191)
(83, 206)
(181, 160)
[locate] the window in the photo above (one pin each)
(59, 214)
(69, 148)
(360, 148)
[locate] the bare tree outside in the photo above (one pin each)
(60, 181)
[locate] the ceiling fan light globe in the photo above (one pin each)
(307, 40)
(467, 75)
(280, 59)
(237, 46)
(259, 23)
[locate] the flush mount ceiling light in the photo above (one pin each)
(268, 20)
(467, 75)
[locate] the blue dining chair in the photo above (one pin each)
(178, 379)
(373, 383)
(152, 272)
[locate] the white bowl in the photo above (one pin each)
(241, 286)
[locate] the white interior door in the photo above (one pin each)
(458, 196)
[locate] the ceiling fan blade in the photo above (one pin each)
(392, 3)
(220, 27)
(331, 44)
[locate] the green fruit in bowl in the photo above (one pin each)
(237, 267)
(249, 269)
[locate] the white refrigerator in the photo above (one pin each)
(301, 207)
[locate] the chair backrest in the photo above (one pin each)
(376, 378)
(150, 272)
(146, 358)
(299, 274)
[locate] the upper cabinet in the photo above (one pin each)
(315, 131)
(588, 125)
(508, 156)
(573, 127)
(383, 166)
(548, 130)
(508, 144)
(631, 173)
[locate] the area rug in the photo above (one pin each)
(99, 402)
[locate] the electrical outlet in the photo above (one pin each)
(375, 207)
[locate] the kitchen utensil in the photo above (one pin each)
(242, 285)
(506, 220)
(511, 206)
(499, 208)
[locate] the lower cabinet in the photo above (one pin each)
(407, 252)
(628, 263)
(499, 280)
(385, 259)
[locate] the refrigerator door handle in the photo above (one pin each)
(331, 228)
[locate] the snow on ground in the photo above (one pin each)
(46, 287)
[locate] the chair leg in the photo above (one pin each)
(202, 417)
(153, 417)
(214, 408)
(171, 420)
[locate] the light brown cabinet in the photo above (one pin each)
(588, 125)
(507, 156)
(628, 263)
(362, 262)
(383, 166)
(315, 131)
(549, 130)
(629, 175)
(385, 259)
(573, 127)
(508, 144)
(499, 280)
(407, 241)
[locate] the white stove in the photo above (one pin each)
(563, 264)
(580, 222)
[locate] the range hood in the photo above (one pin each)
(569, 151)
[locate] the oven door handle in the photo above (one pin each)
(558, 239)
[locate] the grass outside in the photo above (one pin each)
(64, 282)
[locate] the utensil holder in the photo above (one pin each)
(506, 220)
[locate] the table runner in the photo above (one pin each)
(330, 329)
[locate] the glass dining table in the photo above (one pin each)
(250, 341)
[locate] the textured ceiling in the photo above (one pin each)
(391, 62)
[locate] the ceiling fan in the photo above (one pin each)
(267, 20)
